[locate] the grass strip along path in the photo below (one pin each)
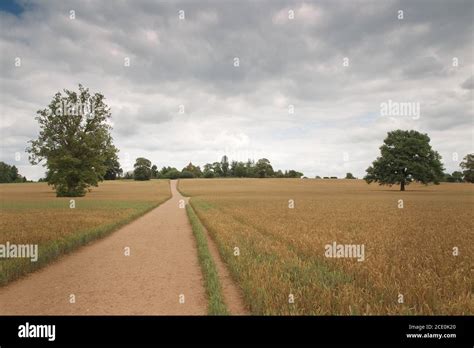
(225, 296)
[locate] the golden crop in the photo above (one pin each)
(31, 213)
(409, 265)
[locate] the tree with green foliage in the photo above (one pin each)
(294, 174)
(164, 170)
(280, 174)
(186, 174)
(237, 169)
(113, 169)
(169, 173)
(208, 171)
(263, 168)
(142, 169)
(154, 172)
(194, 170)
(217, 169)
(225, 166)
(250, 168)
(233, 165)
(173, 173)
(447, 178)
(468, 167)
(457, 176)
(406, 156)
(350, 176)
(10, 174)
(14, 173)
(74, 140)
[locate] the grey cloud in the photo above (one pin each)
(468, 84)
(244, 109)
(423, 67)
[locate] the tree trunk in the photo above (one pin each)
(402, 185)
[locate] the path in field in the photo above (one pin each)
(163, 264)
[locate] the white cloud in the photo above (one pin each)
(243, 112)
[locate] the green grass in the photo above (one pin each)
(202, 205)
(216, 305)
(62, 203)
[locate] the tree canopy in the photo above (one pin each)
(263, 168)
(74, 140)
(468, 167)
(191, 171)
(154, 172)
(225, 165)
(9, 174)
(142, 169)
(114, 170)
(406, 156)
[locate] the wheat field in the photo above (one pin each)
(32, 214)
(272, 233)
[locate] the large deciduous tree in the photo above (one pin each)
(74, 140)
(406, 156)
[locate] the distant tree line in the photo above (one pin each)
(76, 147)
(348, 176)
(455, 176)
(144, 170)
(467, 175)
(9, 174)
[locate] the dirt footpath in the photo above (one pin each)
(161, 276)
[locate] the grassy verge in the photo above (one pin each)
(11, 269)
(216, 305)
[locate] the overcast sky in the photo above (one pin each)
(333, 63)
